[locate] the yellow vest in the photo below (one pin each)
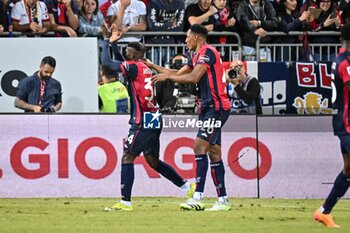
(114, 96)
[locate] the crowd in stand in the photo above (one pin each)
(248, 18)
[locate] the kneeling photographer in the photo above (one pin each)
(243, 89)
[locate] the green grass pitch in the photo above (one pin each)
(163, 215)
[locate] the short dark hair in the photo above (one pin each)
(199, 29)
(49, 60)
(138, 46)
(345, 32)
(108, 71)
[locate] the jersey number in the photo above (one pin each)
(130, 138)
(148, 86)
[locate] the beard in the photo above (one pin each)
(44, 77)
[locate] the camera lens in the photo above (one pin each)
(177, 64)
(232, 74)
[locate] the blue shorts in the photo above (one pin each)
(211, 133)
(344, 143)
(142, 140)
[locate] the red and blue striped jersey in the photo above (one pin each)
(212, 85)
(141, 89)
(341, 79)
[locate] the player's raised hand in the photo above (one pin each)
(159, 78)
(116, 34)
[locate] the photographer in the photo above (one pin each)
(243, 90)
(40, 92)
(177, 97)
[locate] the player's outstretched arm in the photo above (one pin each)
(193, 77)
(106, 58)
(163, 70)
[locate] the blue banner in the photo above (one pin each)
(309, 87)
(296, 88)
(273, 78)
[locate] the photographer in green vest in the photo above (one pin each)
(112, 94)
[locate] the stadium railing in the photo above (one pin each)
(229, 51)
(25, 34)
(295, 50)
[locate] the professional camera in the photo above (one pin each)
(48, 109)
(185, 94)
(178, 63)
(185, 98)
(233, 73)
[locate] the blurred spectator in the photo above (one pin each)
(200, 14)
(306, 5)
(344, 10)
(223, 20)
(288, 16)
(104, 8)
(128, 15)
(233, 5)
(164, 16)
(2, 16)
(5, 16)
(256, 18)
(328, 20)
(63, 17)
(289, 20)
(112, 94)
(30, 16)
(79, 4)
(90, 18)
(243, 89)
(40, 92)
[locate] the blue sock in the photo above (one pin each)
(127, 180)
(341, 185)
(218, 175)
(168, 172)
(201, 172)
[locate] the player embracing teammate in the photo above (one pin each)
(207, 71)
